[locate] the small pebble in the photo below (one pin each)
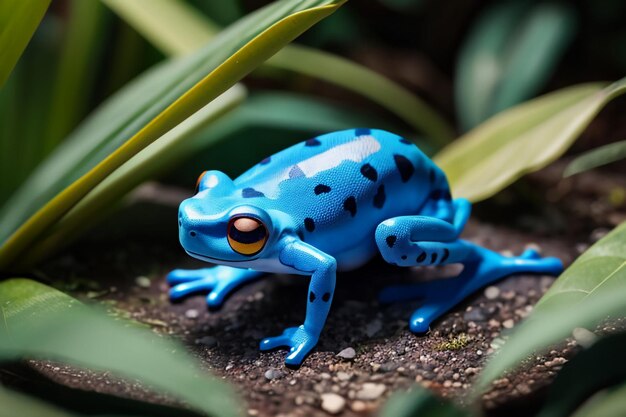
(471, 371)
(358, 406)
(343, 376)
(333, 403)
(192, 313)
(584, 337)
(370, 391)
(508, 324)
(474, 314)
(347, 353)
(492, 292)
(494, 324)
(143, 282)
(388, 367)
(273, 373)
(558, 361)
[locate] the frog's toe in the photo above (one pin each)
(187, 288)
(179, 276)
(422, 317)
(284, 339)
(298, 339)
(298, 353)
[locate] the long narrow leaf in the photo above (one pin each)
(228, 59)
(18, 21)
(311, 62)
(591, 289)
(148, 17)
(609, 403)
(420, 402)
(508, 56)
(44, 323)
(152, 160)
(522, 139)
(600, 368)
(596, 157)
(75, 76)
(17, 404)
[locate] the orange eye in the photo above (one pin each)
(198, 181)
(246, 235)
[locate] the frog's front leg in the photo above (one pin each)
(306, 259)
(219, 281)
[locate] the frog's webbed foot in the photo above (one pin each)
(306, 259)
(299, 340)
(481, 267)
(218, 281)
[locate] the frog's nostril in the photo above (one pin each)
(192, 234)
(180, 223)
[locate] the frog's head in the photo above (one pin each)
(217, 224)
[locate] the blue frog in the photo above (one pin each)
(332, 203)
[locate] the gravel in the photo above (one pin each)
(143, 282)
(333, 403)
(273, 373)
(370, 391)
(347, 353)
(492, 292)
(390, 358)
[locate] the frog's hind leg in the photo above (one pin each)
(219, 281)
(481, 267)
(418, 240)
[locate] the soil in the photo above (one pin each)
(387, 357)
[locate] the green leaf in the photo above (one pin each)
(590, 371)
(24, 103)
(44, 323)
(509, 55)
(17, 404)
(81, 54)
(610, 403)
(420, 402)
(181, 88)
(316, 64)
(223, 13)
(360, 79)
(594, 158)
(162, 154)
(18, 21)
(522, 139)
(590, 290)
(148, 16)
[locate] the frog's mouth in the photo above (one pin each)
(210, 259)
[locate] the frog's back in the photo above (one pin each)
(339, 186)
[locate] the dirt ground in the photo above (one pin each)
(366, 352)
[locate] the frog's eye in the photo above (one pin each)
(198, 181)
(246, 235)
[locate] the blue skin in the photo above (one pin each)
(332, 203)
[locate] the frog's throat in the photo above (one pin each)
(210, 259)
